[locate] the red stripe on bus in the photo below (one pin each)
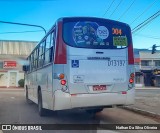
(130, 54)
(60, 52)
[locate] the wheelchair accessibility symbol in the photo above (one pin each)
(75, 63)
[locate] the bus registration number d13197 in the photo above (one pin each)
(99, 87)
(116, 62)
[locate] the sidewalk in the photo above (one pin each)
(147, 103)
(12, 89)
(147, 88)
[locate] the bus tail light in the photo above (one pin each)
(131, 80)
(63, 82)
(61, 76)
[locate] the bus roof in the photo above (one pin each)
(79, 18)
(92, 18)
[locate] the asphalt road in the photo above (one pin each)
(15, 110)
(148, 100)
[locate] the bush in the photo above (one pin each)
(21, 82)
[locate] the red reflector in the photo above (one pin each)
(73, 94)
(124, 92)
(131, 80)
(63, 82)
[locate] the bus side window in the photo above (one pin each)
(48, 42)
(53, 38)
(52, 46)
(32, 59)
(29, 60)
(41, 54)
(47, 49)
(51, 54)
(35, 58)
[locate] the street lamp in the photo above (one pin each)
(24, 25)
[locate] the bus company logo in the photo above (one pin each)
(102, 32)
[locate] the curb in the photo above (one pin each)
(143, 112)
(147, 88)
(12, 89)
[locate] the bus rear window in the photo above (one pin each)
(95, 34)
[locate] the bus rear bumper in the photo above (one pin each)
(66, 101)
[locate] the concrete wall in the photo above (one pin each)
(16, 47)
(13, 51)
(148, 56)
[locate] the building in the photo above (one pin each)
(12, 57)
(147, 67)
(139, 79)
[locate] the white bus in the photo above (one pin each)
(82, 62)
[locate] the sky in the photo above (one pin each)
(46, 12)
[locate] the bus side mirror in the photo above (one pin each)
(25, 68)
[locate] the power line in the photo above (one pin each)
(144, 11)
(127, 10)
(20, 32)
(138, 27)
(108, 8)
(116, 8)
(143, 28)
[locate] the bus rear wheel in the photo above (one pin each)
(27, 99)
(41, 110)
(94, 111)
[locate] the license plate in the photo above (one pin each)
(99, 87)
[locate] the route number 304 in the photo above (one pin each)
(116, 31)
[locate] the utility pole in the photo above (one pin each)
(24, 25)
